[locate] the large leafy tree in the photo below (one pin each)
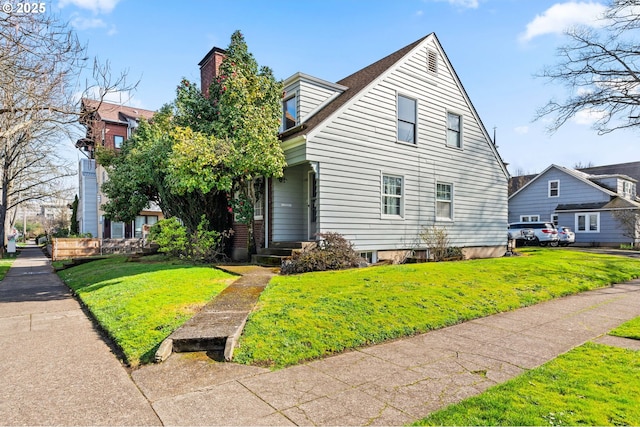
(198, 150)
(600, 69)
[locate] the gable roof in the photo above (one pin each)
(354, 83)
(582, 176)
(631, 170)
(360, 80)
(115, 113)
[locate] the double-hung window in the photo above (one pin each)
(454, 130)
(588, 222)
(444, 201)
(554, 188)
(529, 218)
(392, 195)
(407, 108)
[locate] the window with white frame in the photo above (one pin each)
(554, 219)
(289, 113)
(444, 201)
(627, 189)
(407, 108)
(392, 195)
(454, 130)
(554, 188)
(258, 207)
(588, 222)
(529, 218)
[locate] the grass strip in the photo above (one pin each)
(590, 385)
(5, 265)
(630, 329)
(139, 304)
(316, 314)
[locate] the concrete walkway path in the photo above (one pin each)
(217, 327)
(388, 384)
(55, 368)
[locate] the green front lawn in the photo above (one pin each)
(590, 385)
(140, 303)
(312, 315)
(5, 265)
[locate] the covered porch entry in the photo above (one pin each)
(295, 204)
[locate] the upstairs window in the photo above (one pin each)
(117, 141)
(289, 113)
(407, 119)
(627, 189)
(454, 130)
(554, 188)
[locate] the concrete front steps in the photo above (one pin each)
(277, 252)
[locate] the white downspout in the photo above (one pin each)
(266, 213)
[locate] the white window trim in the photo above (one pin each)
(555, 219)
(587, 222)
(402, 195)
(445, 219)
(549, 187)
(522, 218)
(446, 135)
(415, 125)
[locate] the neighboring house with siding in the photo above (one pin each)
(584, 202)
(382, 153)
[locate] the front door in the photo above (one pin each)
(313, 205)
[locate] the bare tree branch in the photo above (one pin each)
(600, 70)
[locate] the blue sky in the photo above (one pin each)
(495, 46)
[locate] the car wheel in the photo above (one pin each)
(537, 242)
(553, 243)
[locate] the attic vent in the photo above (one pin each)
(432, 61)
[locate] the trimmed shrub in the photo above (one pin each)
(333, 252)
(173, 239)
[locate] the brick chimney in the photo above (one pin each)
(209, 67)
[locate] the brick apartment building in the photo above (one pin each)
(108, 125)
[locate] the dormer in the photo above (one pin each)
(303, 96)
(623, 185)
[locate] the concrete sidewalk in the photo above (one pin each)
(388, 384)
(54, 366)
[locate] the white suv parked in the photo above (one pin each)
(534, 233)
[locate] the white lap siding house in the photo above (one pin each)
(383, 152)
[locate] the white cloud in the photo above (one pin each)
(521, 130)
(588, 117)
(96, 6)
(562, 16)
(82, 23)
